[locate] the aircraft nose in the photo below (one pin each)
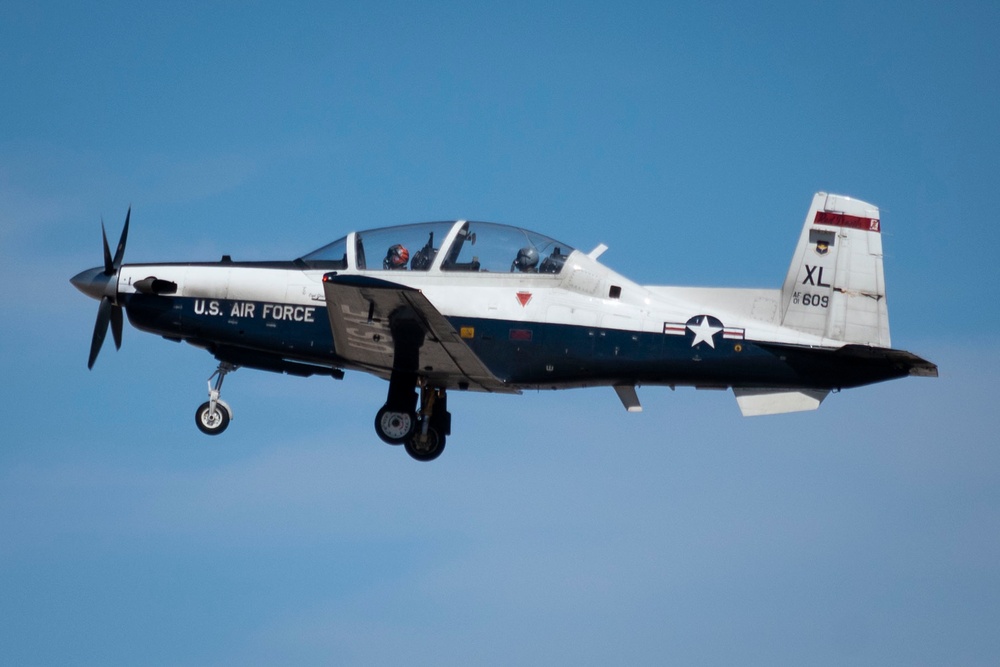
(91, 282)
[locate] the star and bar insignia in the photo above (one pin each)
(703, 329)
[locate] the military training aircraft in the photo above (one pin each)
(480, 306)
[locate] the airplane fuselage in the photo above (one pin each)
(531, 332)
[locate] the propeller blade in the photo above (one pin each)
(109, 312)
(100, 329)
(120, 250)
(116, 326)
(109, 268)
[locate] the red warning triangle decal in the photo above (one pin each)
(524, 298)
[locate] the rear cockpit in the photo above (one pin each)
(443, 246)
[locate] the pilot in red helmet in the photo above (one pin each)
(396, 257)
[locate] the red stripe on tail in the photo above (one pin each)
(844, 220)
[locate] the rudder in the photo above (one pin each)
(835, 287)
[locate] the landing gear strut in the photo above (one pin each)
(396, 421)
(429, 437)
(213, 416)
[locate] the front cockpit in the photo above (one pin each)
(443, 246)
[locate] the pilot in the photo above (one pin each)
(526, 260)
(396, 257)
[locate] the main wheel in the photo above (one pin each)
(211, 422)
(425, 449)
(394, 427)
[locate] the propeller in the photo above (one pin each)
(102, 283)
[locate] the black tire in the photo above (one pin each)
(428, 450)
(394, 427)
(211, 423)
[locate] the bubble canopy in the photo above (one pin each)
(446, 246)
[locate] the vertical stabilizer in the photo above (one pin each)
(835, 286)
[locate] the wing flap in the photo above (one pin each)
(361, 310)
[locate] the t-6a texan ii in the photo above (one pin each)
(478, 306)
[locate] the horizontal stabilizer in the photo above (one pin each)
(905, 361)
(768, 401)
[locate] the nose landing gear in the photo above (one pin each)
(214, 415)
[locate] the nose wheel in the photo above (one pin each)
(213, 416)
(211, 421)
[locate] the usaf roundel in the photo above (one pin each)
(702, 329)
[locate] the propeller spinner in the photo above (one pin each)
(102, 283)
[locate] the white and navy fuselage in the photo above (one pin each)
(572, 323)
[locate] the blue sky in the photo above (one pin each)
(556, 529)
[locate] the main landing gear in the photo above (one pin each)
(422, 434)
(214, 415)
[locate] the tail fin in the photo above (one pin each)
(835, 286)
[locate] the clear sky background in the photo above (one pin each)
(556, 528)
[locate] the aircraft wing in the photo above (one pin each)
(361, 309)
